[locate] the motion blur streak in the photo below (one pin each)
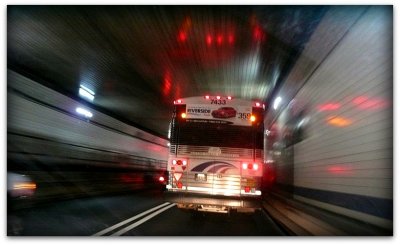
(20, 186)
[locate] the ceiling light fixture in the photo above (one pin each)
(86, 93)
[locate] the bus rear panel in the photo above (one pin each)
(216, 154)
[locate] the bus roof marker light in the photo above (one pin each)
(177, 101)
(84, 112)
(277, 101)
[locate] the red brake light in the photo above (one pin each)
(161, 179)
(179, 162)
(258, 104)
(182, 36)
(247, 189)
(209, 39)
(179, 185)
(250, 166)
(219, 39)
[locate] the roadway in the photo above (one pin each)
(142, 213)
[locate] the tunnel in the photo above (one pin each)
(110, 107)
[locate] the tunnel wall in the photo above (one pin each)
(69, 156)
(333, 138)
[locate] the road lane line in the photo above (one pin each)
(100, 233)
(128, 228)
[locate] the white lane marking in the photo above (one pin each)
(128, 228)
(128, 220)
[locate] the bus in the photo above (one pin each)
(215, 161)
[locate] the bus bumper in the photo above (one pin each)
(195, 200)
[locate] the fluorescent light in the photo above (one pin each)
(277, 102)
(84, 112)
(88, 90)
(86, 93)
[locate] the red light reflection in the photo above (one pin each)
(329, 107)
(257, 33)
(131, 178)
(185, 27)
(209, 39)
(219, 39)
(182, 36)
(231, 39)
(167, 84)
(365, 103)
(339, 170)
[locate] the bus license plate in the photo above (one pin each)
(200, 177)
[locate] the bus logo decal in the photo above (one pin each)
(216, 151)
(215, 166)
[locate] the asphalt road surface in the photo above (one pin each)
(134, 214)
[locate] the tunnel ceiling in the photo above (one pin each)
(139, 59)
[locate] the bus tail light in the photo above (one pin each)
(179, 185)
(250, 166)
(180, 112)
(179, 162)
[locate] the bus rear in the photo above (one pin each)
(216, 154)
